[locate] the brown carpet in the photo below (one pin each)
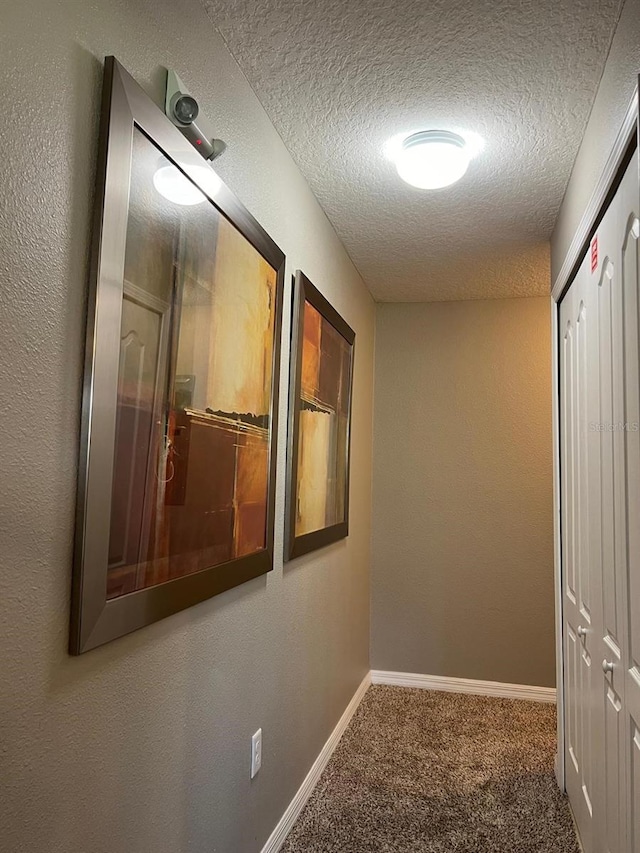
(439, 773)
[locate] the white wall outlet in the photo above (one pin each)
(256, 752)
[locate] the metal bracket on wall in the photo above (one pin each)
(182, 109)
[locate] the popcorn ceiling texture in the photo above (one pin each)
(339, 79)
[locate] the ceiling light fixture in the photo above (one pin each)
(431, 159)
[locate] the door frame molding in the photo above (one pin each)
(624, 146)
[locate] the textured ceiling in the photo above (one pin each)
(338, 78)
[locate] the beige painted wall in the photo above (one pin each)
(142, 745)
(462, 581)
(614, 93)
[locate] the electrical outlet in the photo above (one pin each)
(256, 752)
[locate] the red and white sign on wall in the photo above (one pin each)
(594, 254)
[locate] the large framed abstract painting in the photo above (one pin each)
(177, 463)
(319, 422)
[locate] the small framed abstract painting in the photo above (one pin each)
(320, 393)
(177, 459)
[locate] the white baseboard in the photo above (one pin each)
(277, 837)
(464, 685)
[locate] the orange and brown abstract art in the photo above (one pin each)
(323, 423)
(191, 474)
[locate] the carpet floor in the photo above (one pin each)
(418, 770)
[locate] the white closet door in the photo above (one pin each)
(600, 466)
(629, 228)
(611, 557)
(578, 365)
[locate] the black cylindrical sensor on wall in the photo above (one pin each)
(182, 108)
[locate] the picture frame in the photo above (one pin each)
(319, 429)
(181, 508)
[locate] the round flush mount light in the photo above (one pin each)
(174, 186)
(431, 159)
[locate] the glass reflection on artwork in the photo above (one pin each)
(191, 468)
(323, 430)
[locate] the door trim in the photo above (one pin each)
(557, 540)
(598, 203)
(626, 143)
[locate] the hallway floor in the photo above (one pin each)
(418, 770)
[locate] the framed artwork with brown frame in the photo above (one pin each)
(176, 484)
(320, 391)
